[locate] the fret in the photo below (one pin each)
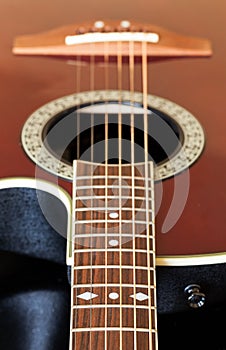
(109, 178)
(127, 267)
(112, 285)
(127, 227)
(94, 306)
(110, 221)
(92, 238)
(96, 258)
(111, 235)
(139, 242)
(92, 275)
(103, 197)
(95, 318)
(91, 339)
(112, 179)
(112, 186)
(95, 294)
(109, 250)
(109, 209)
(92, 294)
(105, 240)
(93, 217)
(99, 171)
(111, 190)
(127, 329)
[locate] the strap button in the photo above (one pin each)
(195, 298)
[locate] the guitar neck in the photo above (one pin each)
(113, 300)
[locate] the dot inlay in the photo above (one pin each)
(113, 215)
(113, 242)
(113, 296)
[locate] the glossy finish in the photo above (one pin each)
(74, 41)
(198, 85)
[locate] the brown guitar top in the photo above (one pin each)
(197, 84)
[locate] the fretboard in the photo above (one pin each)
(113, 303)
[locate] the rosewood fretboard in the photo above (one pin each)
(113, 278)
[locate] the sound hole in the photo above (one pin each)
(82, 134)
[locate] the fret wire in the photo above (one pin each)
(112, 186)
(128, 267)
(78, 81)
(124, 285)
(111, 197)
(114, 176)
(126, 329)
(111, 208)
(106, 223)
(85, 235)
(74, 261)
(92, 58)
(154, 260)
(115, 250)
(106, 204)
(106, 238)
(119, 66)
(111, 177)
(113, 306)
(134, 228)
(74, 193)
(111, 221)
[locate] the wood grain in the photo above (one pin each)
(126, 268)
(52, 43)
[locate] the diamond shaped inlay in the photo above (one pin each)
(140, 296)
(87, 296)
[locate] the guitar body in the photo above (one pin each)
(195, 84)
(190, 223)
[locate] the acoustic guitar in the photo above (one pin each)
(139, 170)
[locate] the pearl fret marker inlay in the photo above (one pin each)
(87, 296)
(140, 296)
(113, 215)
(113, 296)
(113, 242)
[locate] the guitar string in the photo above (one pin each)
(92, 85)
(154, 261)
(131, 83)
(75, 256)
(78, 116)
(145, 107)
(106, 84)
(74, 271)
(119, 68)
(78, 83)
